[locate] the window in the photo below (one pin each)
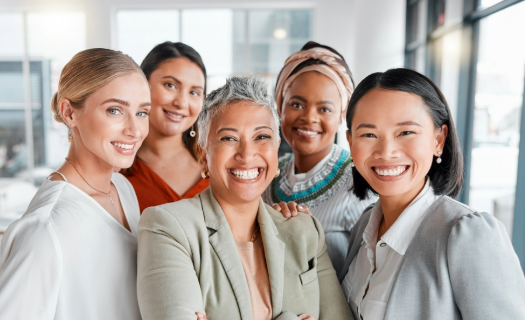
(230, 41)
(474, 53)
(35, 47)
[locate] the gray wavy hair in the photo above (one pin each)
(237, 89)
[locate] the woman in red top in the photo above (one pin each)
(166, 168)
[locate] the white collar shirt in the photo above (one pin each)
(377, 262)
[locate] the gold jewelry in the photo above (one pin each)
(106, 193)
(254, 235)
(277, 173)
(438, 160)
(192, 132)
(205, 174)
(69, 135)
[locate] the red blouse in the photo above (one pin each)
(152, 191)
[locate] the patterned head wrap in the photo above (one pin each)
(331, 65)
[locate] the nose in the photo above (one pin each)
(181, 100)
(132, 128)
(246, 151)
(386, 149)
(310, 115)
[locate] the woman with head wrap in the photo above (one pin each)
(312, 95)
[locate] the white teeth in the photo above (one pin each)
(307, 132)
(391, 172)
(245, 174)
(123, 146)
(174, 115)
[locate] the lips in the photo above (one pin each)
(248, 174)
(124, 147)
(174, 116)
(307, 132)
(391, 171)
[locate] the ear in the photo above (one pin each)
(204, 161)
(67, 112)
(441, 136)
(349, 138)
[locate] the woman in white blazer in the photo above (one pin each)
(419, 254)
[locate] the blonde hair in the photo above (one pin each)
(88, 71)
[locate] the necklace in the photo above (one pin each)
(254, 235)
(106, 193)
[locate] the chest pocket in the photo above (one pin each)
(311, 274)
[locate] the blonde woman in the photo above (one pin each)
(73, 253)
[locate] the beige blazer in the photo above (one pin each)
(188, 261)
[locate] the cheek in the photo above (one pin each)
(330, 123)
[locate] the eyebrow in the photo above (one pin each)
(122, 102)
(366, 125)
(235, 130)
(408, 123)
(145, 104)
(299, 98)
(325, 102)
(263, 127)
(178, 81)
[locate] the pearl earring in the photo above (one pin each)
(438, 160)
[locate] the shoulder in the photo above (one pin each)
(305, 225)
(185, 213)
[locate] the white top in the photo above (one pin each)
(68, 258)
(327, 187)
(377, 263)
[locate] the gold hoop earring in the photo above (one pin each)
(69, 135)
(205, 174)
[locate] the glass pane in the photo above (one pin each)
(498, 101)
(446, 12)
(210, 32)
(450, 68)
(484, 4)
(138, 31)
(50, 47)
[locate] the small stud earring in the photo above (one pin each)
(438, 160)
(352, 164)
(192, 132)
(277, 173)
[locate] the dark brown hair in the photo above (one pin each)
(447, 176)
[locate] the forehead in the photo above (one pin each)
(243, 114)
(382, 106)
(313, 84)
(180, 66)
(131, 87)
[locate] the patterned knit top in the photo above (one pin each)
(325, 189)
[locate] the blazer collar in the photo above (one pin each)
(224, 245)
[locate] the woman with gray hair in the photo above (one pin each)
(225, 255)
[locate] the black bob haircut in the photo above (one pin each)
(447, 176)
(169, 50)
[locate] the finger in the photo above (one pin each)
(293, 208)
(304, 209)
(276, 206)
(285, 210)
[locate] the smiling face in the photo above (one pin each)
(241, 152)
(311, 114)
(393, 140)
(114, 121)
(177, 96)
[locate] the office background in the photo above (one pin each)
(473, 49)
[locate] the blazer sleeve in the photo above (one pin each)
(30, 271)
(167, 284)
(333, 304)
(486, 277)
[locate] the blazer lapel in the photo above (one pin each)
(224, 245)
(274, 253)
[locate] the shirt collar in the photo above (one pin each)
(401, 233)
(300, 177)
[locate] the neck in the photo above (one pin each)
(241, 217)
(91, 168)
(158, 145)
(393, 206)
(305, 162)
